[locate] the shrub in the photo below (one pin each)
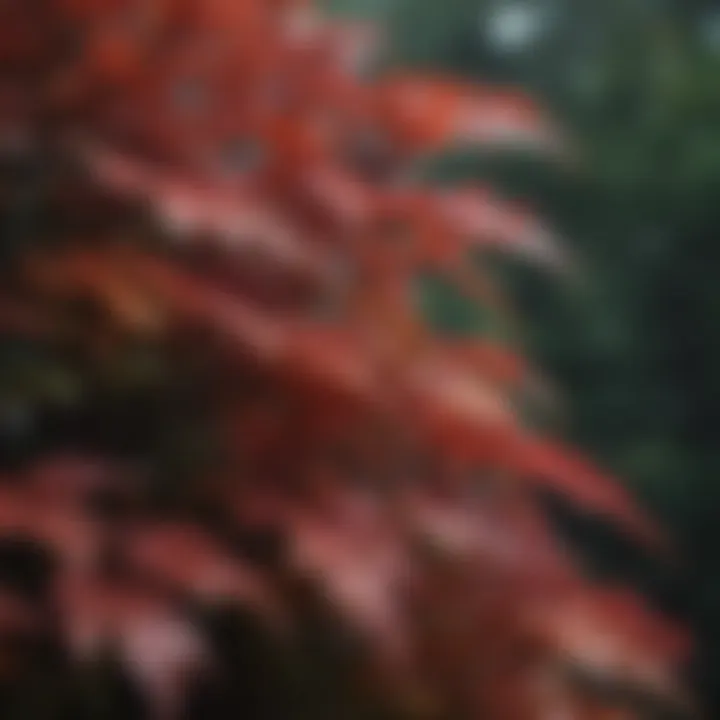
(255, 479)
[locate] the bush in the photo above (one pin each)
(246, 476)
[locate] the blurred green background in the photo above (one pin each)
(635, 347)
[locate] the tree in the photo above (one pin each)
(214, 241)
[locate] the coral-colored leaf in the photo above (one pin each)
(243, 225)
(562, 471)
(486, 221)
(433, 113)
(185, 558)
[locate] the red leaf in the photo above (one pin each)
(562, 471)
(486, 221)
(433, 113)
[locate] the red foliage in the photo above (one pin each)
(225, 186)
